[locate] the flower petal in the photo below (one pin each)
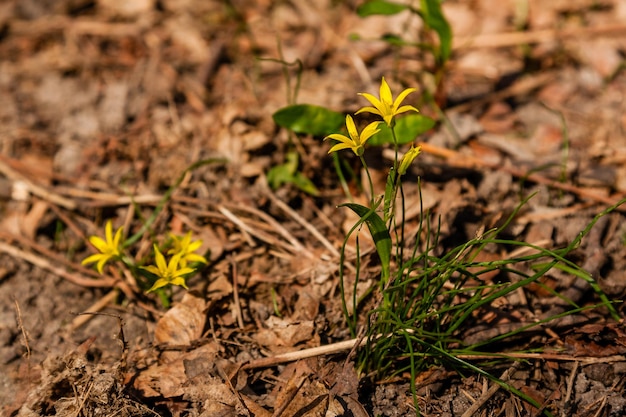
(179, 281)
(354, 134)
(341, 138)
(116, 240)
(92, 259)
(369, 131)
(160, 261)
(402, 96)
(152, 269)
(108, 232)
(194, 246)
(406, 108)
(100, 265)
(339, 147)
(385, 92)
(99, 243)
(375, 102)
(158, 284)
(369, 110)
(182, 272)
(194, 257)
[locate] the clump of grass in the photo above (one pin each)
(425, 300)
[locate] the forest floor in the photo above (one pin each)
(105, 103)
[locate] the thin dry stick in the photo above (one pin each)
(68, 221)
(490, 393)
(20, 324)
(102, 282)
(520, 87)
(308, 226)
(97, 306)
(498, 40)
(249, 231)
(245, 230)
(75, 26)
(35, 189)
(303, 354)
(553, 213)
(279, 228)
(601, 408)
(570, 388)
(454, 157)
(291, 394)
(49, 254)
(107, 197)
(238, 313)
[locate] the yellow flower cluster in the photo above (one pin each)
(167, 273)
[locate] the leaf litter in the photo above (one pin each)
(105, 105)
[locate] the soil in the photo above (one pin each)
(106, 103)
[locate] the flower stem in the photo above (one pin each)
(369, 178)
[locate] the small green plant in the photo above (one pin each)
(431, 14)
(424, 299)
(289, 172)
(163, 272)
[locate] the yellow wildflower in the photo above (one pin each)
(186, 247)
(356, 140)
(109, 248)
(167, 273)
(386, 107)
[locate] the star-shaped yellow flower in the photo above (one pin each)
(356, 140)
(186, 247)
(109, 248)
(386, 107)
(168, 273)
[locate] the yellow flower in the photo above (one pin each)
(408, 158)
(186, 247)
(355, 141)
(167, 273)
(109, 248)
(386, 107)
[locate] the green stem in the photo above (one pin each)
(369, 179)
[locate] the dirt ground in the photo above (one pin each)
(105, 103)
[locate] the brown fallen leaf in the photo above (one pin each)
(182, 324)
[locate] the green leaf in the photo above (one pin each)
(407, 129)
(379, 232)
(309, 119)
(375, 7)
(305, 184)
(433, 17)
(287, 173)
